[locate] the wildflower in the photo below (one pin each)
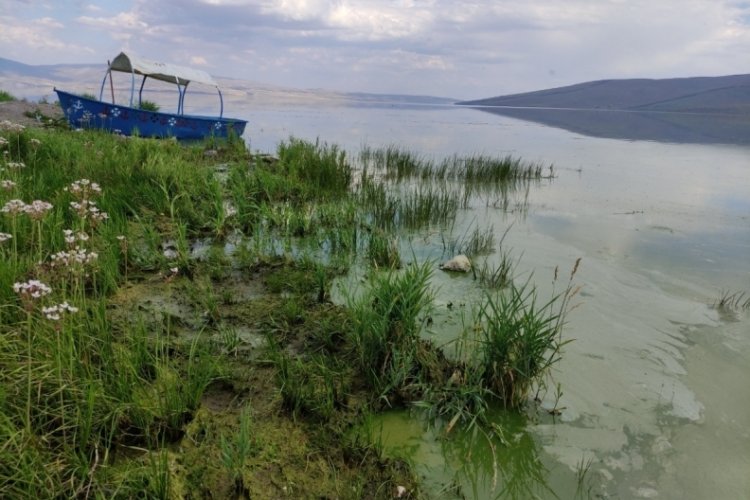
(16, 165)
(121, 237)
(33, 289)
(3, 141)
(84, 188)
(10, 126)
(35, 142)
(56, 311)
(14, 207)
(69, 236)
(7, 184)
(76, 256)
(5, 237)
(37, 209)
(174, 270)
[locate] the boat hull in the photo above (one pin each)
(83, 112)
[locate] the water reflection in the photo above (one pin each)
(503, 461)
(638, 125)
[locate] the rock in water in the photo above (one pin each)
(459, 263)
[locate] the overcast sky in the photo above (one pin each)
(459, 49)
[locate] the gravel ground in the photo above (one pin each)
(15, 111)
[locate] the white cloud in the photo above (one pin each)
(123, 20)
(470, 48)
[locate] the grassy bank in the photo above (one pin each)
(167, 327)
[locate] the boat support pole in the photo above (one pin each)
(104, 80)
(111, 87)
(132, 86)
(221, 102)
(140, 92)
(181, 104)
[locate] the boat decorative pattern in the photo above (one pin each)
(90, 113)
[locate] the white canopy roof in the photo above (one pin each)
(161, 71)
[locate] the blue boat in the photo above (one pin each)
(131, 119)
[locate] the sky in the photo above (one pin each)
(448, 48)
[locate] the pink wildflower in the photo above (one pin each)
(55, 312)
(33, 289)
(14, 207)
(37, 209)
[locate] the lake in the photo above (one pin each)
(653, 390)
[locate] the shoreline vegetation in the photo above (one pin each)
(168, 328)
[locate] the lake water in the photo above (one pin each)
(655, 386)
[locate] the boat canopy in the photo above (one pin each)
(178, 75)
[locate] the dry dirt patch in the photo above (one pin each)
(18, 111)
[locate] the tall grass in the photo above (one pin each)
(77, 383)
(323, 168)
(519, 338)
(387, 323)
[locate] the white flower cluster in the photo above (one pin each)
(16, 165)
(5, 237)
(7, 184)
(56, 311)
(13, 127)
(14, 207)
(71, 237)
(3, 142)
(83, 188)
(34, 289)
(87, 209)
(77, 255)
(37, 209)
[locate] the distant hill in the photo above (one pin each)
(721, 94)
(36, 81)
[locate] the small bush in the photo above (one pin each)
(147, 105)
(6, 96)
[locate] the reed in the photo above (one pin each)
(427, 205)
(382, 250)
(238, 448)
(387, 322)
(519, 338)
(732, 301)
(496, 276)
(322, 168)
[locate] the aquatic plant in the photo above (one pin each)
(387, 322)
(321, 167)
(732, 301)
(519, 339)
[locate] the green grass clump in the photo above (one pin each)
(321, 169)
(147, 105)
(387, 323)
(6, 96)
(518, 339)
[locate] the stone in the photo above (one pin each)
(459, 263)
